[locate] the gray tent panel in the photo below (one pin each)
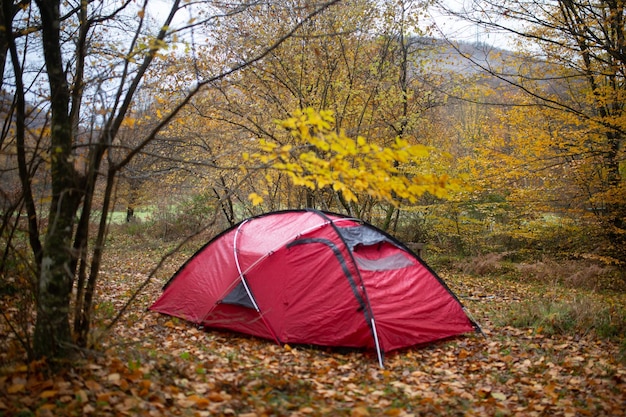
(396, 261)
(362, 235)
(238, 296)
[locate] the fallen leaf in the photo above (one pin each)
(48, 394)
(200, 402)
(104, 397)
(15, 388)
(93, 386)
(81, 395)
(114, 378)
(359, 412)
(498, 396)
(216, 397)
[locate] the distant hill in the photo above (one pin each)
(465, 58)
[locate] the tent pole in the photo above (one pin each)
(239, 271)
(379, 353)
(366, 303)
(245, 285)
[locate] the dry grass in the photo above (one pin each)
(487, 264)
(576, 316)
(569, 273)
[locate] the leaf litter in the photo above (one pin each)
(153, 365)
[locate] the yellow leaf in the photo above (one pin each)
(255, 199)
(129, 122)
(267, 146)
(15, 388)
(337, 186)
(48, 394)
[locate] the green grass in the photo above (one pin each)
(119, 217)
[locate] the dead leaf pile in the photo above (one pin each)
(154, 365)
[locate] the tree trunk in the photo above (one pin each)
(52, 336)
(82, 324)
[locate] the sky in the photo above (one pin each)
(459, 30)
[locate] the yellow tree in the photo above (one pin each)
(462, 131)
(359, 61)
(572, 65)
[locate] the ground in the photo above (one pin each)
(153, 365)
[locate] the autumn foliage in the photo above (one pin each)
(506, 166)
(154, 365)
(318, 157)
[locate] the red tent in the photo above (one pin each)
(312, 277)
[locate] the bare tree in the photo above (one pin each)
(90, 60)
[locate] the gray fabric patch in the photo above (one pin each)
(396, 261)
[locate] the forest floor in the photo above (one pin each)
(153, 365)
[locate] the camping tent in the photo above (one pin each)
(313, 277)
